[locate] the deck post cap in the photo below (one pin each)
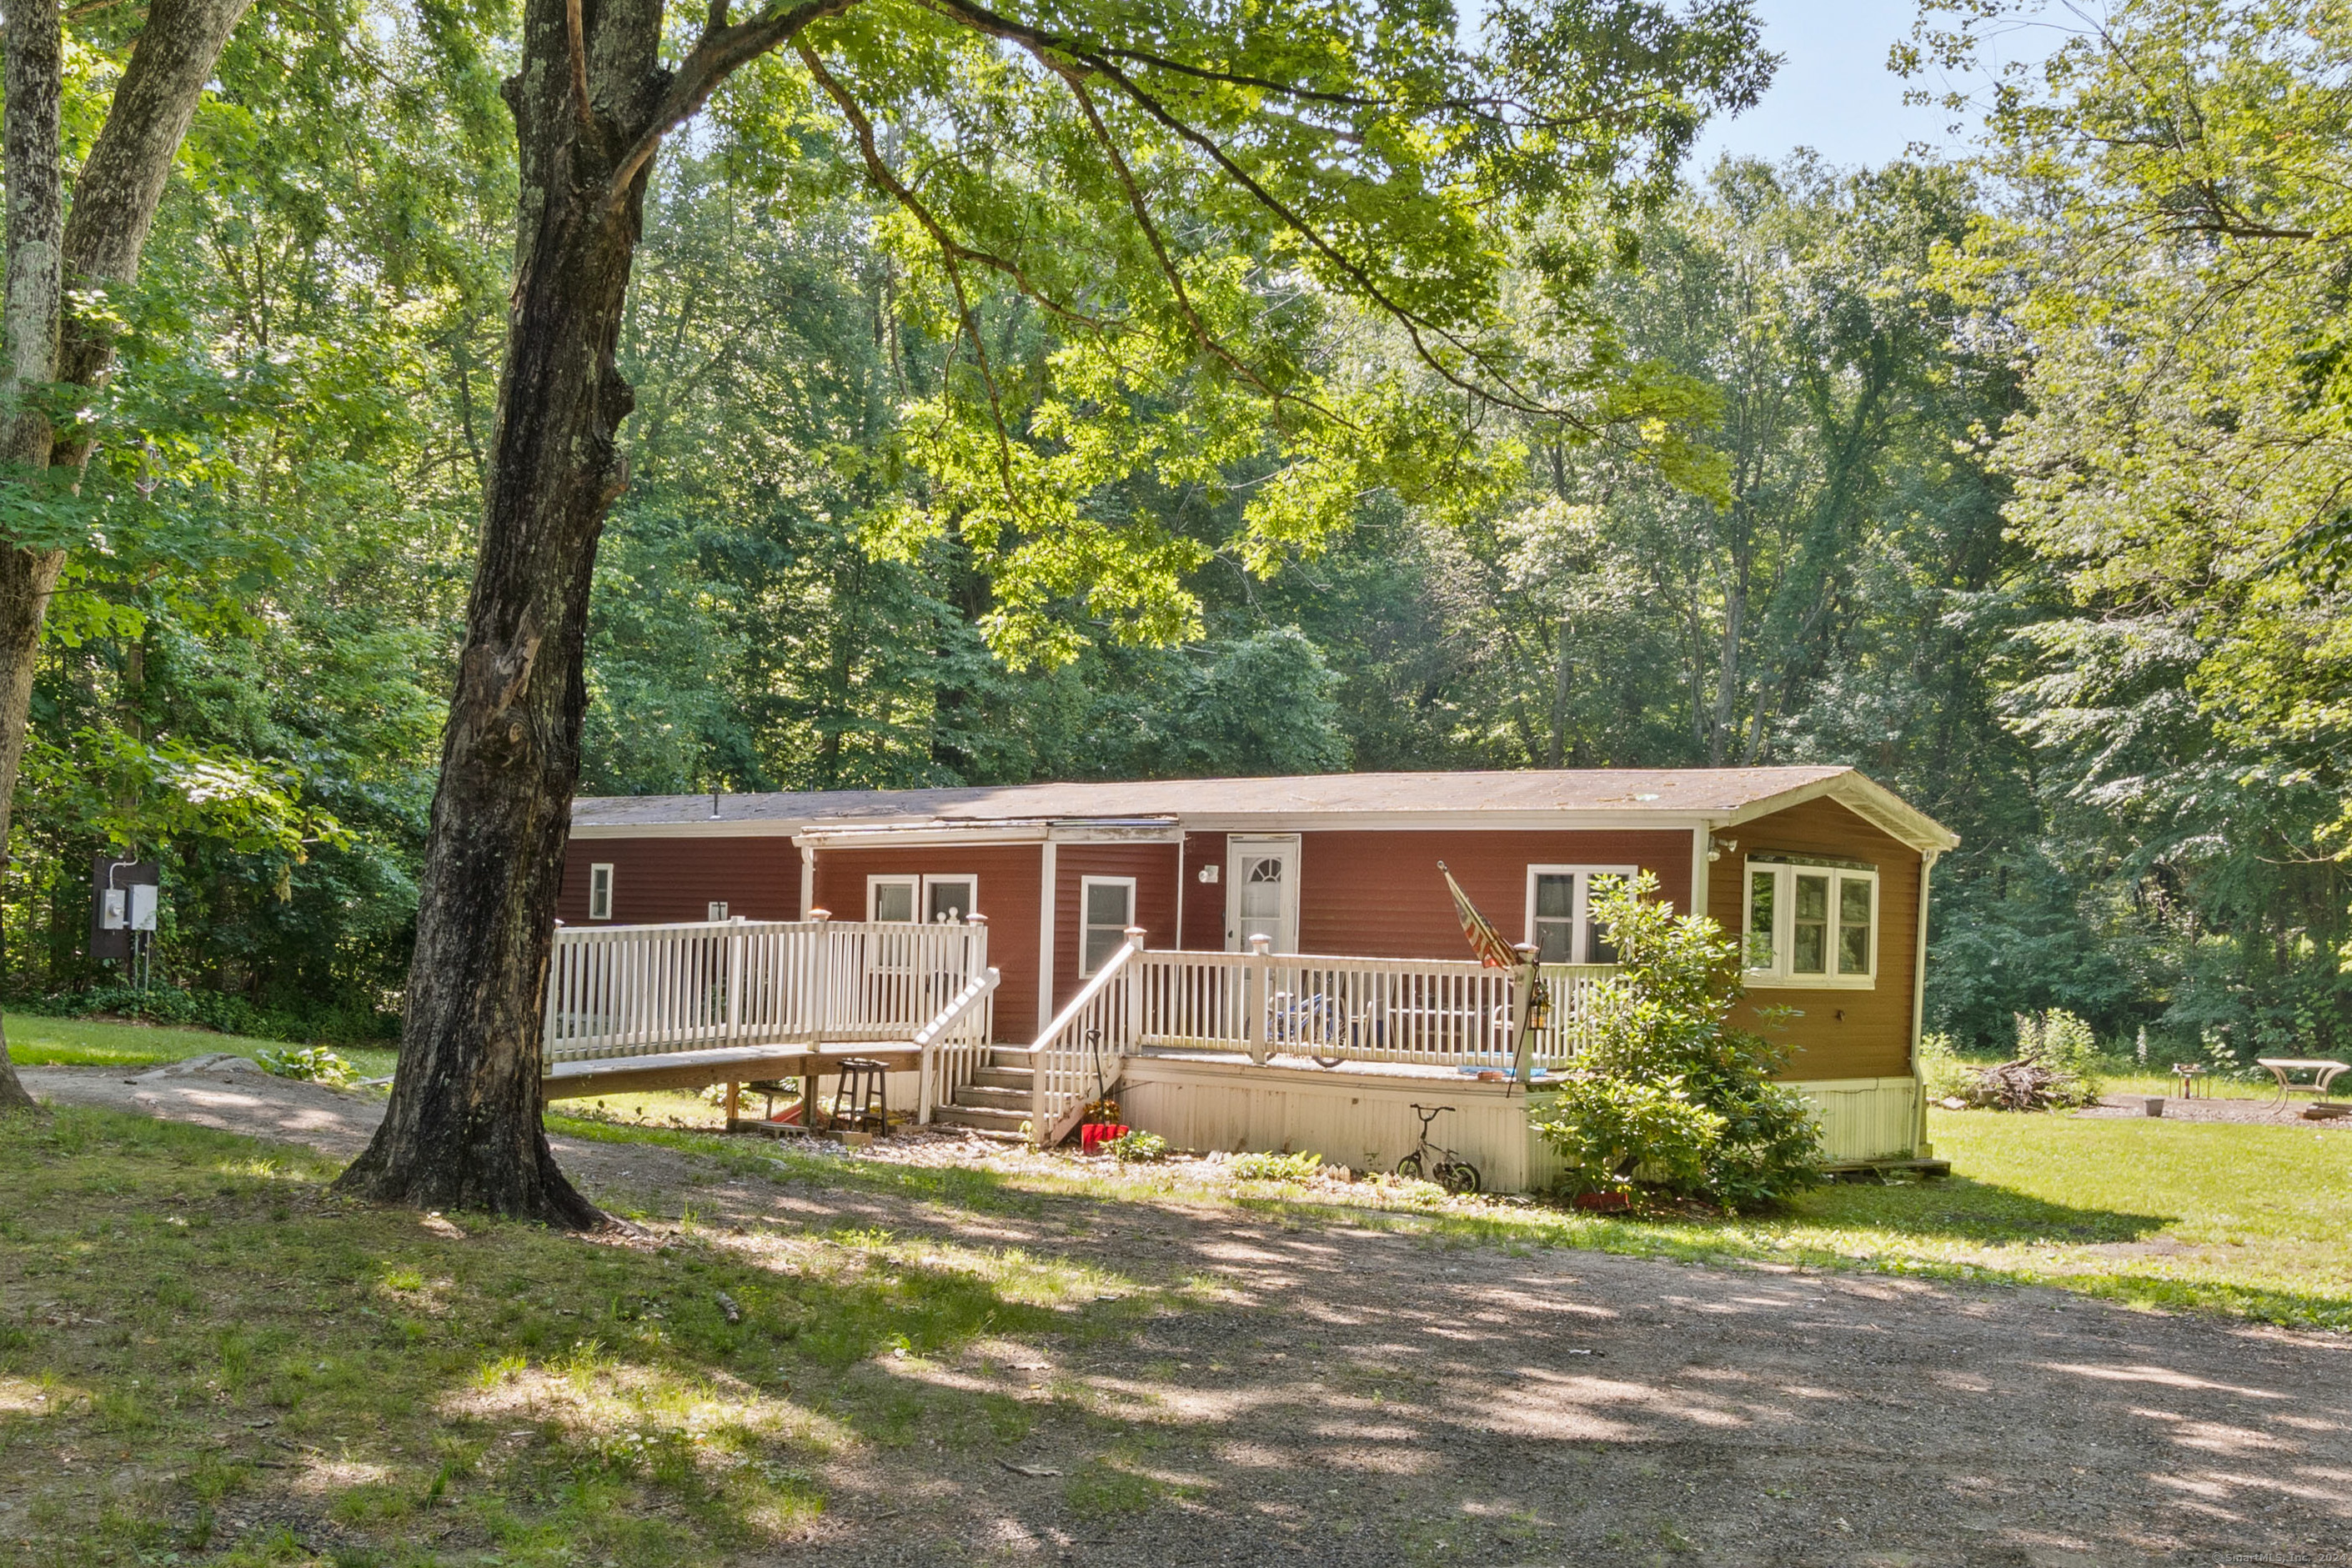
(820, 915)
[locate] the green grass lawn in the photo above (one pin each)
(37, 1042)
(185, 1314)
(189, 1325)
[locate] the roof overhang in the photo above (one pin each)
(925, 834)
(1872, 802)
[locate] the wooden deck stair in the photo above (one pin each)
(995, 1103)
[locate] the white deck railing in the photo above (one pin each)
(641, 990)
(1081, 1050)
(1430, 1012)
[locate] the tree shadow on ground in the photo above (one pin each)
(850, 1363)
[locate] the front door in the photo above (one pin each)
(1262, 891)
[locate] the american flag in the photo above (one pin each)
(1485, 940)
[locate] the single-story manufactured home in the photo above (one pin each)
(1823, 872)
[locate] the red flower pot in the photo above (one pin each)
(1093, 1136)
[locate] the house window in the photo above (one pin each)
(949, 898)
(937, 898)
(1560, 922)
(718, 909)
(892, 898)
(1811, 923)
(1107, 908)
(600, 892)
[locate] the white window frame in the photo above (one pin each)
(1086, 885)
(923, 904)
(920, 884)
(718, 910)
(1581, 920)
(1784, 920)
(599, 891)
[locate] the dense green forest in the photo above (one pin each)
(2016, 480)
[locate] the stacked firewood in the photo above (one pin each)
(2027, 1083)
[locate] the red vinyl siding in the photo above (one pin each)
(1838, 1033)
(657, 881)
(1153, 867)
(1380, 896)
(1204, 902)
(1008, 875)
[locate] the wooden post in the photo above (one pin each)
(1254, 981)
(1523, 990)
(1133, 979)
(734, 1091)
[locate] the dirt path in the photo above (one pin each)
(1368, 1397)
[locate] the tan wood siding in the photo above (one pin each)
(1009, 876)
(658, 880)
(1380, 894)
(1153, 867)
(1839, 1033)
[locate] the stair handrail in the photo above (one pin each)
(927, 1039)
(1045, 1134)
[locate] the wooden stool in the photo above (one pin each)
(864, 1091)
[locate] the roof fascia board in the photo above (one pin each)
(833, 835)
(723, 828)
(1558, 818)
(1872, 802)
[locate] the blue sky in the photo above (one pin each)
(1833, 92)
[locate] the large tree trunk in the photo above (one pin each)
(463, 1130)
(115, 198)
(34, 72)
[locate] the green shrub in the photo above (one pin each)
(1666, 1091)
(2064, 1044)
(1136, 1147)
(1276, 1167)
(312, 1063)
(1941, 1069)
(1608, 1130)
(219, 1010)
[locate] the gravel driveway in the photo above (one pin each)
(1367, 1397)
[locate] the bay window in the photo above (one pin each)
(1811, 922)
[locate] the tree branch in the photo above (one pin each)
(864, 129)
(720, 53)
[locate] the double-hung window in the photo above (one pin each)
(1561, 921)
(935, 900)
(1106, 909)
(1811, 922)
(600, 892)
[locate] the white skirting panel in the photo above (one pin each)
(1365, 1121)
(1361, 1120)
(1866, 1118)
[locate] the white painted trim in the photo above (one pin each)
(1086, 884)
(1872, 802)
(1176, 938)
(808, 881)
(1045, 875)
(1784, 918)
(1239, 844)
(1560, 821)
(911, 880)
(1579, 915)
(1700, 838)
(609, 879)
(1921, 1148)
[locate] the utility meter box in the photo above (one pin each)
(122, 899)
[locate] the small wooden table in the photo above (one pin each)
(2323, 1073)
